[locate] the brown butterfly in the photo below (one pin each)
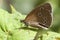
(40, 17)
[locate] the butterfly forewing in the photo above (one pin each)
(41, 15)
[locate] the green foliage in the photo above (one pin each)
(12, 29)
(10, 24)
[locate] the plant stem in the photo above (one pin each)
(37, 35)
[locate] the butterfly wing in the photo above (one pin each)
(40, 16)
(45, 15)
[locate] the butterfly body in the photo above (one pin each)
(40, 16)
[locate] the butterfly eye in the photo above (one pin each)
(41, 8)
(45, 20)
(39, 14)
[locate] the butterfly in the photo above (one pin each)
(40, 17)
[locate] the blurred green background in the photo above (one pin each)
(10, 18)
